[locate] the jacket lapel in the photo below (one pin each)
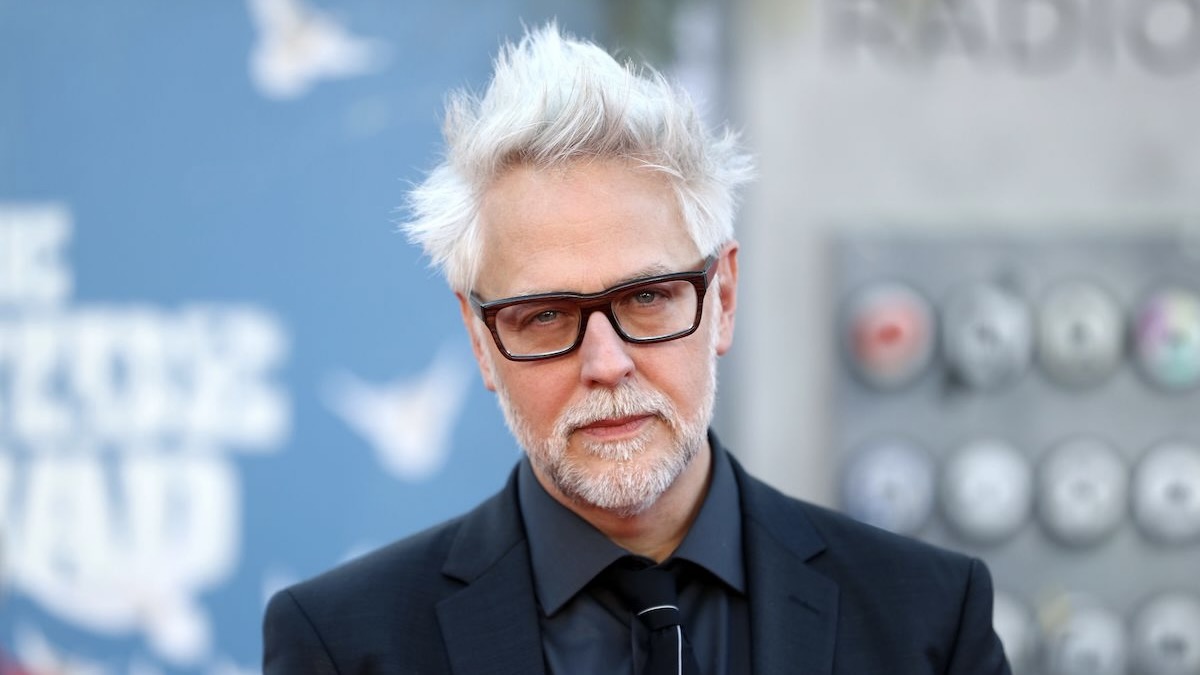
(793, 609)
(491, 625)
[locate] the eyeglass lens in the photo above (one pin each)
(644, 312)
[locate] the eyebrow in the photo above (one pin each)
(655, 270)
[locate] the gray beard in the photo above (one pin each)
(629, 482)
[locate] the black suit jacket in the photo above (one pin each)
(827, 595)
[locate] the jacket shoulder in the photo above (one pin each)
(349, 618)
(838, 536)
(413, 561)
(903, 605)
(338, 621)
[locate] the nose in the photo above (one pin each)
(605, 357)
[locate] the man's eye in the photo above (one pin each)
(650, 296)
(543, 317)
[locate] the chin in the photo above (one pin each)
(625, 486)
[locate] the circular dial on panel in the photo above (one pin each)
(987, 334)
(1166, 493)
(1082, 491)
(890, 484)
(1165, 637)
(1167, 338)
(1080, 334)
(1088, 640)
(987, 491)
(888, 334)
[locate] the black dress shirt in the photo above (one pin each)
(586, 629)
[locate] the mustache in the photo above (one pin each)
(625, 401)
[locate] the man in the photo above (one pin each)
(583, 217)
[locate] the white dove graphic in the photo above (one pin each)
(298, 45)
(407, 422)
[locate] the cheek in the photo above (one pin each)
(537, 392)
(682, 374)
(485, 355)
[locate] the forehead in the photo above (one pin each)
(582, 228)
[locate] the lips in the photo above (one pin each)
(616, 427)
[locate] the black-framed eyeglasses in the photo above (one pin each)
(545, 325)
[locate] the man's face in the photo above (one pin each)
(612, 424)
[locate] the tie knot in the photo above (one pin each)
(647, 590)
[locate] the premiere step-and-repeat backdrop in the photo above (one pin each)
(221, 368)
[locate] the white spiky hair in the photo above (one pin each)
(554, 99)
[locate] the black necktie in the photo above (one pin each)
(649, 592)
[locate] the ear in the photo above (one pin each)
(727, 278)
(477, 332)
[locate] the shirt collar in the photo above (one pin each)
(567, 552)
(715, 540)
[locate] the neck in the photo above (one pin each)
(658, 530)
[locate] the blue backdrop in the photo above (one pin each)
(221, 368)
